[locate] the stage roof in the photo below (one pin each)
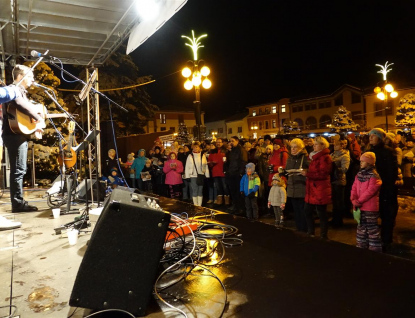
(79, 32)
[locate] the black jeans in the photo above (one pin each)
(322, 214)
(233, 182)
(17, 149)
(337, 197)
(299, 214)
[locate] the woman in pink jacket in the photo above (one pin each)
(365, 195)
(173, 169)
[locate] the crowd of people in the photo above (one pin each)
(279, 176)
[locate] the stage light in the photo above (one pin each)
(147, 9)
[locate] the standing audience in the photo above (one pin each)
(173, 169)
(296, 185)
(365, 196)
(318, 188)
(249, 187)
(196, 167)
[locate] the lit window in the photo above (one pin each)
(254, 112)
(274, 109)
(274, 123)
(282, 108)
(162, 118)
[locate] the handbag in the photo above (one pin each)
(200, 179)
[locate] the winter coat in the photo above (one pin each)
(296, 182)
(367, 193)
(236, 159)
(318, 187)
(250, 184)
(277, 195)
(173, 176)
(387, 167)
(201, 166)
(278, 159)
(215, 160)
(263, 171)
(341, 160)
(138, 164)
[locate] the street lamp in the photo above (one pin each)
(214, 133)
(385, 92)
(197, 74)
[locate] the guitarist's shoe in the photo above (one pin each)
(25, 207)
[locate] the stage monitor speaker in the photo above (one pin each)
(121, 263)
(81, 190)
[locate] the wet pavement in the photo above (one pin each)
(266, 276)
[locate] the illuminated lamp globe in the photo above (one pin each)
(186, 72)
(394, 94)
(381, 96)
(377, 90)
(197, 80)
(389, 88)
(205, 71)
(188, 85)
(206, 83)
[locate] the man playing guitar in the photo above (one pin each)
(17, 143)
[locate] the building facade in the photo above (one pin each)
(237, 125)
(165, 120)
(216, 128)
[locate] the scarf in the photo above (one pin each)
(366, 173)
(313, 153)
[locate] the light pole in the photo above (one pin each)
(196, 74)
(383, 93)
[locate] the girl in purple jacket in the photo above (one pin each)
(365, 195)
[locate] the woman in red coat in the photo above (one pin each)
(278, 159)
(318, 187)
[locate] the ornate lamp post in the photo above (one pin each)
(196, 74)
(385, 92)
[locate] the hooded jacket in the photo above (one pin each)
(139, 163)
(318, 186)
(173, 175)
(250, 183)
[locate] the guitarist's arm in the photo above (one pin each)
(9, 93)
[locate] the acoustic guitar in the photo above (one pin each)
(20, 123)
(68, 155)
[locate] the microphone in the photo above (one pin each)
(38, 54)
(41, 86)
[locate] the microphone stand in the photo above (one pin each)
(83, 83)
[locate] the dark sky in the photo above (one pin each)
(261, 51)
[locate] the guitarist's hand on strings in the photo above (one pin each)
(40, 124)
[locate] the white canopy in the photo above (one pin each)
(82, 32)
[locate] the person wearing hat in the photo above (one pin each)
(387, 167)
(263, 171)
(365, 196)
(249, 187)
(277, 199)
(278, 159)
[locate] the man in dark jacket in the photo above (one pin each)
(234, 167)
(387, 167)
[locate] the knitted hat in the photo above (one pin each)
(267, 137)
(390, 136)
(379, 132)
(270, 147)
(251, 166)
(276, 177)
(278, 142)
(368, 157)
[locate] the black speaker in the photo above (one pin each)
(81, 190)
(121, 262)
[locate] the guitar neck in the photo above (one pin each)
(56, 116)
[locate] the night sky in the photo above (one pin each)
(261, 51)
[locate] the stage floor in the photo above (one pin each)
(274, 273)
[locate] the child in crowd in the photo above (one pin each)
(173, 169)
(365, 196)
(146, 175)
(249, 187)
(114, 180)
(277, 199)
(130, 172)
